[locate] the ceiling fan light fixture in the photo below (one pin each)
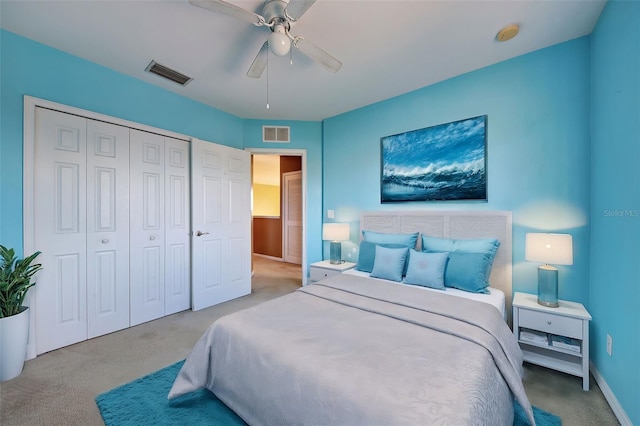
(279, 41)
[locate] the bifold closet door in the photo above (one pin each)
(160, 226)
(81, 228)
(107, 228)
(177, 227)
(147, 217)
(60, 229)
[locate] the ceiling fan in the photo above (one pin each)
(279, 16)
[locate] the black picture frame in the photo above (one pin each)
(445, 162)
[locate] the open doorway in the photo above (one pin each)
(278, 210)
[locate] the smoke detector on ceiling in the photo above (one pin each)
(508, 32)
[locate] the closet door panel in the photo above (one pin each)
(60, 229)
(107, 227)
(177, 227)
(147, 217)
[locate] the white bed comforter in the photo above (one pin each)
(354, 351)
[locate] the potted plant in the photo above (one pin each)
(15, 280)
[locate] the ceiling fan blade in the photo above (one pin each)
(229, 9)
(296, 8)
(317, 54)
(260, 62)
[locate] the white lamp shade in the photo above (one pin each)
(556, 249)
(335, 231)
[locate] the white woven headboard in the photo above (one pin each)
(456, 224)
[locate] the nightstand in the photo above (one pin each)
(566, 326)
(325, 269)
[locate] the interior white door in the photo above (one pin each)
(60, 229)
(147, 205)
(292, 217)
(177, 227)
(107, 228)
(221, 223)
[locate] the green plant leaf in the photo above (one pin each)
(15, 280)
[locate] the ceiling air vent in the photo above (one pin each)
(168, 73)
(275, 134)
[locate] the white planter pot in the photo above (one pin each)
(14, 334)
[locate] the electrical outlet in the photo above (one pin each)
(609, 344)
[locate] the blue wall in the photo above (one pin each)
(304, 135)
(30, 68)
(538, 151)
(615, 201)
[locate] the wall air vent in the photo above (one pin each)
(275, 134)
(168, 73)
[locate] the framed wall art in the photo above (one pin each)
(442, 162)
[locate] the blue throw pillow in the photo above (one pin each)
(408, 240)
(426, 269)
(468, 271)
(389, 263)
(367, 254)
(487, 246)
(479, 245)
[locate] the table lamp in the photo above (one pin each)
(549, 248)
(335, 232)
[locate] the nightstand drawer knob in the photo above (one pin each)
(549, 322)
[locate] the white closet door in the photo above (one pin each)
(146, 278)
(60, 229)
(221, 221)
(177, 227)
(292, 216)
(107, 227)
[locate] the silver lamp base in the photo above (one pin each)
(548, 286)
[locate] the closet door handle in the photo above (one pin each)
(152, 238)
(105, 241)
(200, 233)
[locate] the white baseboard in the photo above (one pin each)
(278, 259)
(621, 415)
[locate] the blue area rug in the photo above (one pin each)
(144, 402)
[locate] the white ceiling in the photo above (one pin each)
(387, 47)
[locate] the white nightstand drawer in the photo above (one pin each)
(551, 323)
(316, 274)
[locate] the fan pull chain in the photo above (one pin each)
(267, 80)
(290, 56)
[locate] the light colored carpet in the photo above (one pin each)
(59, 387)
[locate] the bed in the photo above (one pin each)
(354, 350)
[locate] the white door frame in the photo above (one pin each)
(28, 175)
(303, 165)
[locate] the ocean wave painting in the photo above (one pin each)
(443, 162)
